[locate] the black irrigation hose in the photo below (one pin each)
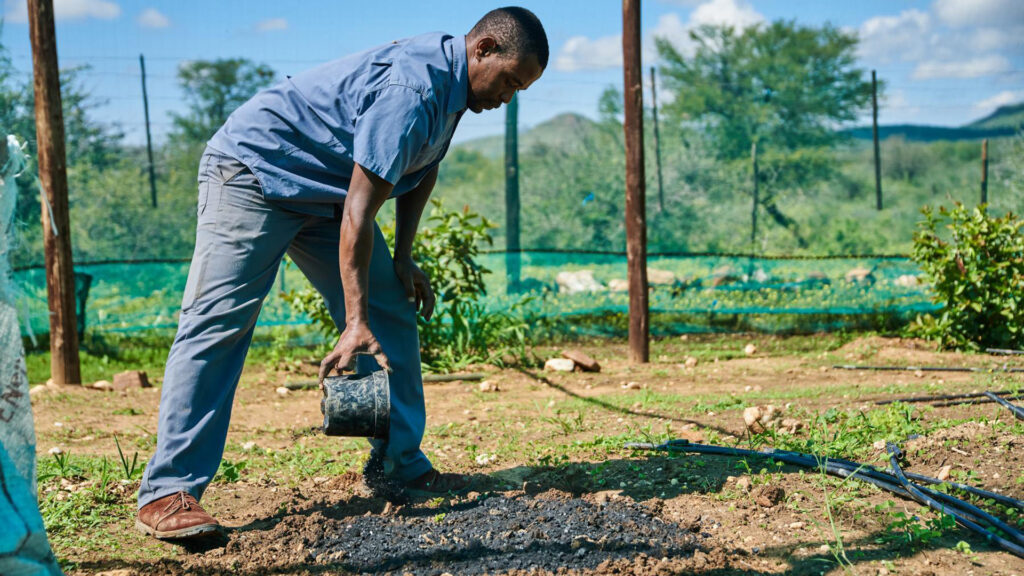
(921, 497)
(967, 401)
(1004, 351)
(967, 514)
(924, 368)
(912, 399)
(868, 469)
(1018, 412)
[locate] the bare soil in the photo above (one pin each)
(560, 495)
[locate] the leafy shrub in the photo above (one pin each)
(977, 275)
(462, 331)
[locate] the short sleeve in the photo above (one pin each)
(390, 132)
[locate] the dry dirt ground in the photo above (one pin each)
(555, 492)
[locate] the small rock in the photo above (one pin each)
(618, 285)
(282, 391)
(582, 360)
(632, 386)
(249, 446)
(918, 374)
(103, 385)
(743, 483)
(120, 572)
(657, 277)
(131, 379)
(577, 282)
(690, 362)
(760, 418)
(944, 472)
(824, 549)
(560, 365)
(879, 445)
(796, 525)
(750, 349)
(605, 496)
(791, 425)
(488, 386)
(37, 390)
(860, 276)
(56, 450)
(907, 281)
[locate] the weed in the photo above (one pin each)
(63, 468)
(129, 469)
(127, 412)
(965, 549)
(912, 530)
(230, 471)
(568, 424)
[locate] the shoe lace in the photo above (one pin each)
(181, 501)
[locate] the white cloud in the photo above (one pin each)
(582, 53)
(972, 68)
(272, 24)
(960, 13)
(939, 49)
(736, 13)
(69, 10)
(1002, 99)
(152, 18)
(902, 37)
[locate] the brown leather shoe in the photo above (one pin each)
(175, 516)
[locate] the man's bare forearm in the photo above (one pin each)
(408, 211)
(367, 192)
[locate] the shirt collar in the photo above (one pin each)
(459, 94)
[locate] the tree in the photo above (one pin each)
(784, 86)
(213, 89)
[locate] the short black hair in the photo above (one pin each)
(517, 31)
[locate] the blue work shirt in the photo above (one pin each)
(391, 109)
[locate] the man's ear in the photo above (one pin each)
(486, 46)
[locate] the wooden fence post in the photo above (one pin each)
(874, 134)
(60, 278)
(984, 171)
(636, 219)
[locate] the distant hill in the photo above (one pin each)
(923, 133)
(561, 131)
(1005, 121)
(1009, 116)
(567, 129)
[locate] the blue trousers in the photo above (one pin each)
(240, 241)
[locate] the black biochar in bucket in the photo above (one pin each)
(357, 405)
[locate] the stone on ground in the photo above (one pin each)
(657, 277)
(560, 365)
(760, 418)
(577, 282)
(582, 360)
(131, 379)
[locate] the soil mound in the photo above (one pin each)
(499, 534)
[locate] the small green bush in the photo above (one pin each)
(977, 274)
(462, 331)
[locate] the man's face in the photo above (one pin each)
(495, 77)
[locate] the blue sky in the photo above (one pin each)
(946, 62)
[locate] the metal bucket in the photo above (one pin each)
(357, 405)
